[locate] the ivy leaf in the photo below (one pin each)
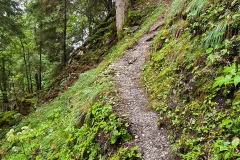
(235, 142)
(236, 80)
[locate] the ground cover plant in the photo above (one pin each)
(192, 78)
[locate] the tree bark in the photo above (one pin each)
(121, 13)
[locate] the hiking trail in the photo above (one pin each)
(153, 142)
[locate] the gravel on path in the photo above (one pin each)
(153, 142)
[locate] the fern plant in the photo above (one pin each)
(184, 6)
(216, 35)
(196, 6)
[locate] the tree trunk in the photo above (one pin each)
(64, 59)
(89, 17)
(36, 77)
(121, 12)
(30, 71)
(26, 67)
(4, 82)
(39, 83)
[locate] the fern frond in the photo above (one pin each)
(196, 5)
(180, 7)
(217, 35)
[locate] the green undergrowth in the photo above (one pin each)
(80, 123)
(192, 78)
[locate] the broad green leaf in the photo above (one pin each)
(113, 139)
(231, 69)
(134, 148)
(138, 155)
(235, 142)
(209, 50)
(227, 79)
(127, 137)
(225, 123)
(236, 80)
(219, 81)
(223, 148)
(227, 155)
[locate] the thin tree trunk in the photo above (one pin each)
(37, 72)
(26, 67)
(39, 85)
(30, 71)
(64, 59)
(89, 17)
(4, 82)
(121, 13)
(40, 68)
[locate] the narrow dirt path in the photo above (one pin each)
(153, 141)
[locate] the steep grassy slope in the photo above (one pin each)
(192, 78)
(79, 123)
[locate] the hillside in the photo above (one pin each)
(179, 69)
(192, 78)
(80, 123)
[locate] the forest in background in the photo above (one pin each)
(37, 40)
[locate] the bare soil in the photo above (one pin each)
(153, 141)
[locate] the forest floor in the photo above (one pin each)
(153, 141)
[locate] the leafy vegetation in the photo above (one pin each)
(80, 123)
(192, 78)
